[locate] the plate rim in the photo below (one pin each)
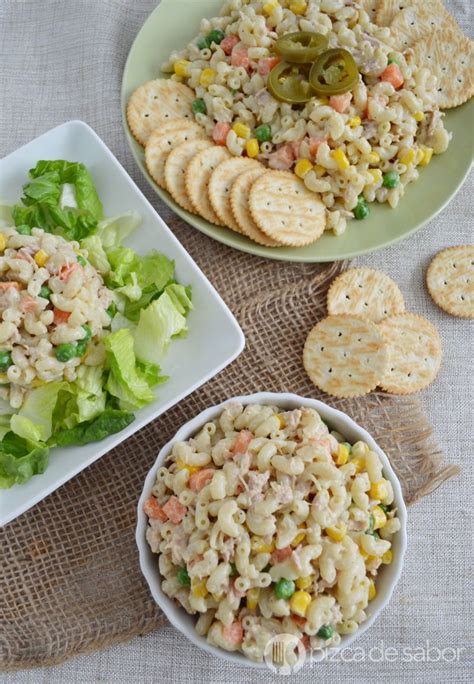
(249, 247)
(238, 342)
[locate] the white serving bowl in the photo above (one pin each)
(386, 580)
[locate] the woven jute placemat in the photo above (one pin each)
(69, 578)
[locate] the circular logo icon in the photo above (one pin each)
(284, 654)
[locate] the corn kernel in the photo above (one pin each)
(387, 557)
(372, 590)
(373, 157)
(323, 100)
(199, 589)
(258, 545)
(419, 154)
(427, 154)
(419, 116)
(337, 533)
(340, 159)
(207, 78)
(182, 465)
(320, 170)
(252, 597)
(407, 157)
(4, 378)
(253, 148)
(299, 603)
(298, 539)
(303, 167)
(355, 121)
(380, 519)
(3, 243)
(299, 7)
(359, 463)
(241, 130)
(270, 7)
(304, 582)
(41, 257)
(181, 67)
(364, 553)
(378, 490)
(376, 175)
(281, 420)
(342, 454)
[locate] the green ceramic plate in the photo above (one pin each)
(172, 25)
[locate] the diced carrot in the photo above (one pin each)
(306, 642)
(393, 75)
(314, 143)
(340, 102)
(298, 620)
(266, 64)
(279, 555)
(240, 488)
(174, 509)
(242, 442)
(153, 510)
(61, 316)
(220, 133)
(8, 284)
(295, 148)
(229, 43)
(200, 479)
(240, 58)
(68, 269)
(28, 303)
(234, 633)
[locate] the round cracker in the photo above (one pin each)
(221, 183)
(197, 177)
(175, 170)
(285, 210)
(450, 280)
(239, 201)
(418, 20)
(345, 356)
(156, 103)
(165, 139)
(365, 292)
(414, 349)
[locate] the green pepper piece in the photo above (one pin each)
(301, 47)
(289, 83)
(334, 72)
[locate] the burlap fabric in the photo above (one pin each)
(69, 580)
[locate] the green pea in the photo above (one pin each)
(263, 133)
(65, 352)
(391, 179)
(361, 210)
(23, 229)
(203, 44)
(81, 260)
(233, 570)
(112, 309)
(5, 360)
(88, 332)
(183, 577)
(199, 106)
(216, 36)
(45, 292)
(284, 589)
(81, 348)
(325, 632)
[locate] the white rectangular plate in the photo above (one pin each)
(214, 338)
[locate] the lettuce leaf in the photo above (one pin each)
(96, 253)
(158, 323)
(35, 418)
(107, 423)
(6, 218)
(20, 459)
(124, 381)
(112, 232)
(90, 397)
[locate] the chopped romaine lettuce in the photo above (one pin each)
(108, 423)
(34, 419)
(96, 254)
(20, 459)
(158, 323)
(112, 232)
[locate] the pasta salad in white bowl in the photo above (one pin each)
(271, 516)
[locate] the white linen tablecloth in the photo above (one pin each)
(63, 59)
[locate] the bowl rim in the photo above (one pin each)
(190, 428)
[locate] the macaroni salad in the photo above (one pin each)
(362, 146)
(265, 523)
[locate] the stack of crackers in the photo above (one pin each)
(426, 32)
(369, 340)
(272, 208)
